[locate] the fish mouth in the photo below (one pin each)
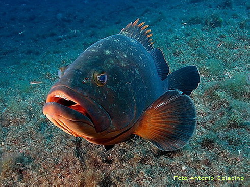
(75, 113)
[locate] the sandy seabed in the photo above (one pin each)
(38, 39)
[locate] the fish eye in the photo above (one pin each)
(100, 78)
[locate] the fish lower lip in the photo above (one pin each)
(65, 112)
(69, 120)
(69, 103)
(78, 104)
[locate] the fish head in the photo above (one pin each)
(96, 94)
(75, 113)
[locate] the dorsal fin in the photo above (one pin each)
(140, 33)
(160, 62)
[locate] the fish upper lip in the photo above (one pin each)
(78, 102)
(60, 97)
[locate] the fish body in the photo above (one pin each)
(120, 86)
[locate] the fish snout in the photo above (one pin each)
(76, 113)
(70, 121)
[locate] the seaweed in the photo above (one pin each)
(215, 67)
(14, 164)
(195, 1)
(213, 21)
(237, 87)
(226, 4)
(195, 20)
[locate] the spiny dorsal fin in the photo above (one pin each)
(140, 33)
(160, 62)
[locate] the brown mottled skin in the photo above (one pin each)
(132, 85)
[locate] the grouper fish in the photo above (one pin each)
(121, 86)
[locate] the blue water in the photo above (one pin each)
(39, 37)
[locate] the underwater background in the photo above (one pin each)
(39, 37)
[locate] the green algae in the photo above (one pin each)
(237, 86)
(215, 67)
(213, 21)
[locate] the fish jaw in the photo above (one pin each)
(70, 121)
(75, 113)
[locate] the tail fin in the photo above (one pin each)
(169, 122)
(185, 79)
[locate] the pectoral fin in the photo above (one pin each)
(169, 122)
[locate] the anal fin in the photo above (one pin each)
(169, 122)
